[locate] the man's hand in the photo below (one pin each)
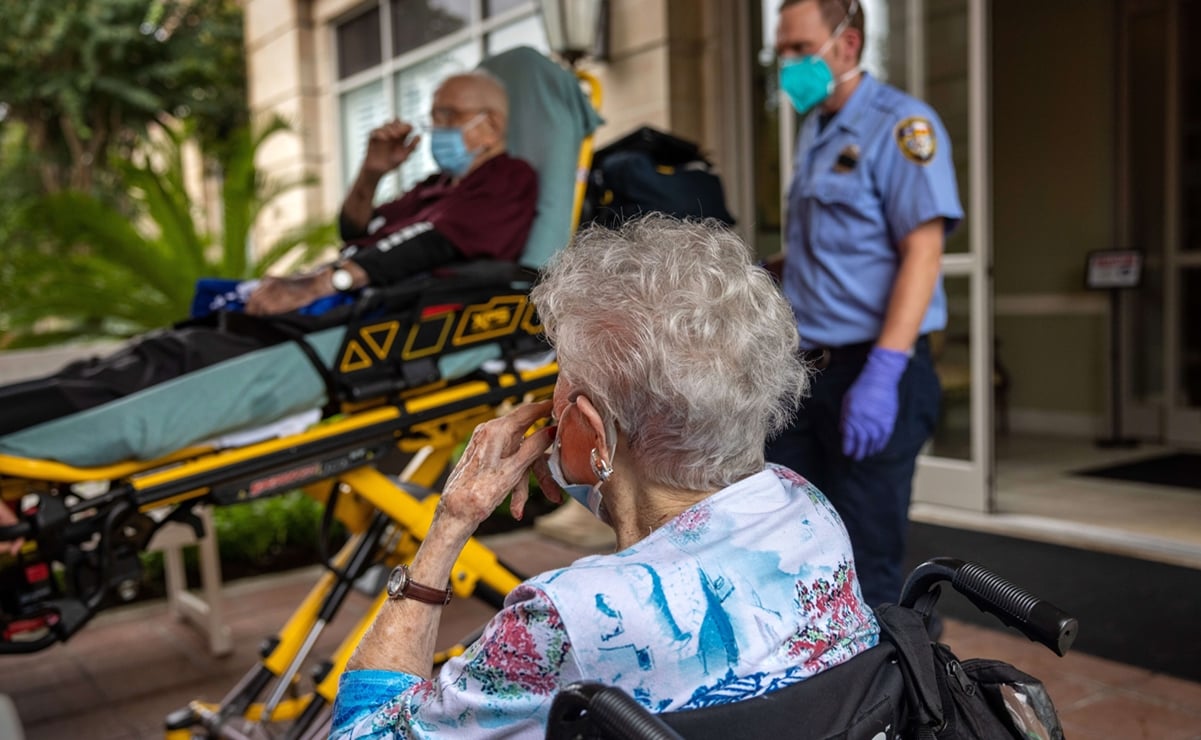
(276, 295)
(388, 147)
(869, 409)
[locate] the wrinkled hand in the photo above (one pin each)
(546, 481)
(388, 147)
(496, 462)
(869, 409)
(7, 519)
(276, 295)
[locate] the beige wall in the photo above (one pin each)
(1054, 165)
(281, 70)
(656, 71)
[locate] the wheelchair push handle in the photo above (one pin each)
(590, 709)
(1038, 619)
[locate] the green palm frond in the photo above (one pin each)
(312, 240)
(114, 270)
(112, 238)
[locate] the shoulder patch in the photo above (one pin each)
(915, 138)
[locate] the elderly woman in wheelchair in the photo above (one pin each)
(732, 579)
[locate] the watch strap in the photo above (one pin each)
(420, 592)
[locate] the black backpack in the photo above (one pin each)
(649, 171)
(974, 699)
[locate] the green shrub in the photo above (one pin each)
(267, 534)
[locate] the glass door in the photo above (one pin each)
(938, 52)
(1160, 214)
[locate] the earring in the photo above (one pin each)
(599, 466)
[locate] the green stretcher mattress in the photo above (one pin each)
(252, 390)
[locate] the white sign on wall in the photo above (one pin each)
(1114, 268)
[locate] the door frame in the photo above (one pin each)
(1165, 420)
(968, 484)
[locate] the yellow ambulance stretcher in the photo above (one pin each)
(412, 374)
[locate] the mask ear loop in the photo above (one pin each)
(842, 26)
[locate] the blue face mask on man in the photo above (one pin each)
(808, 80)
(450, 151)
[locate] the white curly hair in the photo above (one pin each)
(679, 338)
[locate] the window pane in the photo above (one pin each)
(415, 87)
(947, 92)
(418, 22)
(527, 32)
(496, 7)
(359, 44)
(952, 361)
(1190, 145)
(362, 109)
(1146, 102)
(1190, 338)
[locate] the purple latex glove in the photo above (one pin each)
(869, 409)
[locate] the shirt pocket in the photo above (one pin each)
(837, 190)
(841, 219)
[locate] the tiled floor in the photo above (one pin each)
(123, 673)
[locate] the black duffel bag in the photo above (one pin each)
(650, 171)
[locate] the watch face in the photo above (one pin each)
(397, 580)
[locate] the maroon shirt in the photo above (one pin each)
(486, 215)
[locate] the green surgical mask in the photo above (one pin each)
(807, 81)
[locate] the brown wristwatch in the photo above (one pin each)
(402, 586)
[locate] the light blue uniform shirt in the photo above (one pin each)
(878, 170)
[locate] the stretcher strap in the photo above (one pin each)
(271, 331)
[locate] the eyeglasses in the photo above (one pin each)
(448, 116)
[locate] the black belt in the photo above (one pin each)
(821, 358)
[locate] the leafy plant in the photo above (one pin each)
(118, 268)
(259, 536)
(87, 77)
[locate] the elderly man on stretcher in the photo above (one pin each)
(480, 205)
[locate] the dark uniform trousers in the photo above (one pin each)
(872, 495)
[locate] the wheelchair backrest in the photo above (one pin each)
(550, 118)
(861, 699)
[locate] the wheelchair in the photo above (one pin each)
(411, 373)
(879, 694)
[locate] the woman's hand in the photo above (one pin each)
(496, 462)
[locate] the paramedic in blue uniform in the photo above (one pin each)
(872, 199)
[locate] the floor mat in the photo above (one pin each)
(1130, 610)
(1180, 469)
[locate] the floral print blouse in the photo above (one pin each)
(749, 591)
